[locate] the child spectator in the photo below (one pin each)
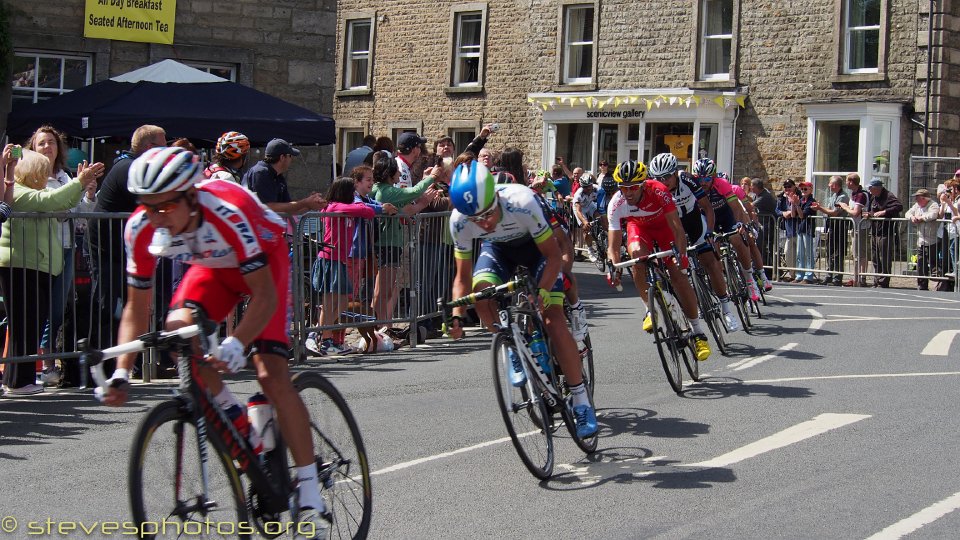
(330, 275)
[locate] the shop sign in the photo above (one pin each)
(147, 21)
(629, 113)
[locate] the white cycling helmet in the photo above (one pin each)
(586, 179)
(663, 165)
(161, 170)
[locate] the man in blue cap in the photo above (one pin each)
(267, 180)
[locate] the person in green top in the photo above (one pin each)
(390, 237)
(31, 254)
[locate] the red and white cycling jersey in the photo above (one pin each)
(236, 231)
(654, 206)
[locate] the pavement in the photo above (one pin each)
(833, 418)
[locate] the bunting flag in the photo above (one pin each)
(599, 102)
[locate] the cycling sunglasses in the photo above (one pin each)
(485, 215)
(165, 207)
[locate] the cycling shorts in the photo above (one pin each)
(219, 290)
(695, 225)
(497, 264)
(647, 234)
(725, 222)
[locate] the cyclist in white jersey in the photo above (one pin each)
(696, 216)
(513, 231)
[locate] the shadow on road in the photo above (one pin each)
(724, 387)
(624, 465)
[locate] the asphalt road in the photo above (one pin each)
(835, 418)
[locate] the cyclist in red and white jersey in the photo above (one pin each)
(652, 222)
(229, 157)
(234, 246)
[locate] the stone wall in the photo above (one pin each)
(786, 59)
(281, 47)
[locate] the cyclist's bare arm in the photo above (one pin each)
(550, 249)
(737, 208)
(134, 322)
(614, 241)
(679, 236)
(461, 287)
(704, 203)
(263, 300)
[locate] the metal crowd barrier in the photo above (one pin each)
(860, 251)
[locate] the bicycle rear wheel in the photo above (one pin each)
(524, 412)
(166, 484)
(600, 244)
(710, 312)
(342, 466)
(666, 336)
(737, 289)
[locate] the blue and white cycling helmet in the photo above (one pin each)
(472, 188)
(705, 169)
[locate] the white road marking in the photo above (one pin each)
(940, 344)
(938, 308)
(750, 362)
(864, 376)
(780, 298)
(421, 461)
(924, 517)
(817, 322)
(582, 472)
(804, 430)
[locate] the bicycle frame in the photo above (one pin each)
(197, 400)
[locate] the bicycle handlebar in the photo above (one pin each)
(645, 258)
(487, 293)
(94, 358)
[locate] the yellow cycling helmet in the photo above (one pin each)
(629, 173)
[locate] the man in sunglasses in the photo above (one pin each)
(652, 222)
(727, 212)
(696, 216)
(513, 231)
(234, 246)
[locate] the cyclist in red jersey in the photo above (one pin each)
(234, 246)
(650, 214)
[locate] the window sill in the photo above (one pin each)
(353, 93)
(464, 89)
(730, 84)
(858, 78)
(584, 87)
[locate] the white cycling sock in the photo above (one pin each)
(309, 488)
(695, 326)
(725, 305)
(226, 398)
(579, 394)
(578, 305)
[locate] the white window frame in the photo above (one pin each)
(48, 92)
(848, 32)
(349, 56)
(468, 134)
(345, 146)
(461, 52)
(867, 114)
(567, 45)
(209, 67)
(704, 38)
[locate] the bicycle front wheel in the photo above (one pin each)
(167, 493)
(523, 410)
(343, 470)
(666, 336)
(737, 289)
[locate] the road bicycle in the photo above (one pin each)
(529, 410)
(671, 329)
(599, 233)
(190, 466)
(710, 310)
(733, 273)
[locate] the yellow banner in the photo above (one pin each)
(148, 21)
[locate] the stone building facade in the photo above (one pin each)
(281, 47)
(770, 88)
